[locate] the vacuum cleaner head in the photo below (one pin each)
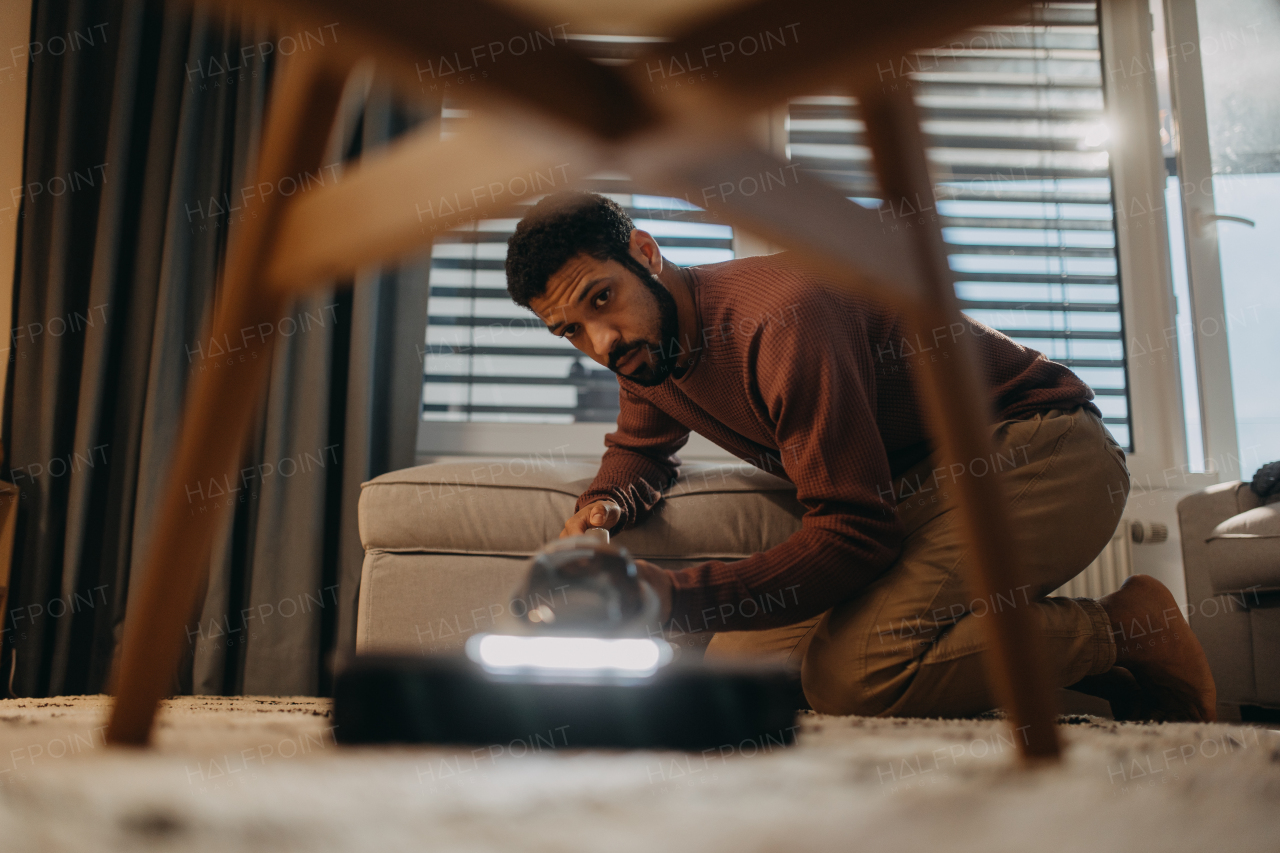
(584, 586)
(586, 659)
(451, 700)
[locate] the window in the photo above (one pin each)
(1014, 117)
(1221, 135)
(1015, 120)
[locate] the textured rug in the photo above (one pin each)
(266, 774)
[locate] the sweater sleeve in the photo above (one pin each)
(813, 379)
(639, 461)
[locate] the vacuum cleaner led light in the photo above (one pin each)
(586, 656)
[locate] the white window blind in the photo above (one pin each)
(1014, 120)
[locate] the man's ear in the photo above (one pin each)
(645, 250)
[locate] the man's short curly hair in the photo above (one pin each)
(560, 227)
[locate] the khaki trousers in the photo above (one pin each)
(911, 644)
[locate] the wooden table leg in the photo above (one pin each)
(220, 406)
(956, 398)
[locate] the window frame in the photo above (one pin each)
(1159, 456)
(1204, 269)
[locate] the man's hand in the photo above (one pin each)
(604, 514)
(660, 580)
(607, 514)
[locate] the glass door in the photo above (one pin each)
(1224, 64)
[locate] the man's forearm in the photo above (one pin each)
(634, 480)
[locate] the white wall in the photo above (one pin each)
(1162, 561)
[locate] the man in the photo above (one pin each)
(767, 360)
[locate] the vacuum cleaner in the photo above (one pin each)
(586, 659)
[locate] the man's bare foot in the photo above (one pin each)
(1155, 644)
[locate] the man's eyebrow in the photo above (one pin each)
(582, 294)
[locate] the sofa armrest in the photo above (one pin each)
(1198, 515)
(1221, 623)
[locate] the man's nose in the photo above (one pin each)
(603, 339)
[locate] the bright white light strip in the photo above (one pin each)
(579, 655)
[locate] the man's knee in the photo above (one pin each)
(835, 684)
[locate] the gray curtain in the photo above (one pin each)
(169, 103)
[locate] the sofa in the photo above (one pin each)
(1231, 556)
(445, 544)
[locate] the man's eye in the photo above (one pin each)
(601, 298)
(569, 331)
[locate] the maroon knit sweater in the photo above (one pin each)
(814, 385)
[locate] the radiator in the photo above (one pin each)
(1105, 574)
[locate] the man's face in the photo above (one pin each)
(613, 316)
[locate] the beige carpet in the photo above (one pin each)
(265, 774)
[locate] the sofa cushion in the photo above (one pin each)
(1245, 550)
(513, 507)
(1258, 523)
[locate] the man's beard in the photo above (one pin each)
(665, 354)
